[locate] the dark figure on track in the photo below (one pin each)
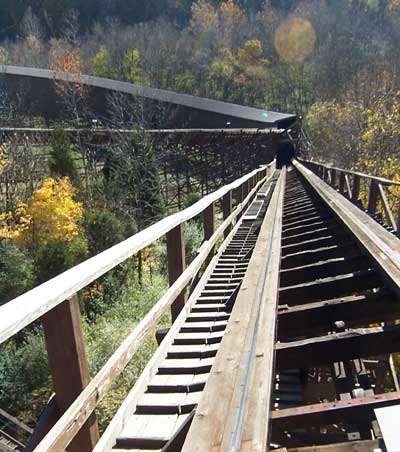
(286, 151)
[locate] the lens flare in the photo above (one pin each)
(295, 39)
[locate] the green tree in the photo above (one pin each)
(62, 163)
(16, 271)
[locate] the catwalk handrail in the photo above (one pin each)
(381, 180)
(74, 418)
(25, 309)
(348, 184)
(76, 394)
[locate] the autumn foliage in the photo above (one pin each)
(51, 215)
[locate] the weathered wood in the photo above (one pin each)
(380, 180)
(323, 269)
(219, 408)
(333, 412)
(351, 344)
(47, 420)
(178, 439)
(69, 365)
(227, 208)
(176, 265)
(372, 197)
(117, 424)
(318, 317)
(342, 285)
(382, 246)
(69, 424)
(348, 186)
(25, 309)
(209, 226)
(356, 188)
(350, 446)
(386, 208)
(342, 181)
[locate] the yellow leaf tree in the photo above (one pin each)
(51, 215)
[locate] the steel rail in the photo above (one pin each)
(235, 445)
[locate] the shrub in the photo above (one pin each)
(53, 258)
(16, 271)
(103, 230)
(62, 162)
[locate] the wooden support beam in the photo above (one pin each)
(342, 181)
(381, 245)
(342, 285)
(69, 365)
(227, 208)
(209, 227)
(333, 177)
(386, 208)
(176, 265)
(319, 317)
(348, 186)
(351, 344)
(321, 414)
(349, 446)
(356, 188)
(372, 197)
(324, 269)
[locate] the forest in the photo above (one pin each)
(335, 63)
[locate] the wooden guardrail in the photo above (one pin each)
(349, 184)
(56, 303)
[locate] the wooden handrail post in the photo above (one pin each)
(341, 182)
(209, 227)
(176, 265)
(69, 365)
(356, 188)
(373, 197)
(348, 186)
(386, 208)
(333, 177)
(227, 207)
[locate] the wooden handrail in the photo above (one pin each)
(77, 414)
(376, 190)
(25, 309)
(380, 180)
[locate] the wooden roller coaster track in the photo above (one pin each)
(284, 343)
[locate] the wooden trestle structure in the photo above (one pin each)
(189, 160)
(285, 341)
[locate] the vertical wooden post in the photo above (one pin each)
(333, 178)
(227, 209)
(373, 197)
(341, 182)
(356, 188)
(69, 365)
(209, 227)
(176, 265)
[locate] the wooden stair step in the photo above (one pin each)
(187, 351)
(139, 431)
(168, 403)
(194, 317)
